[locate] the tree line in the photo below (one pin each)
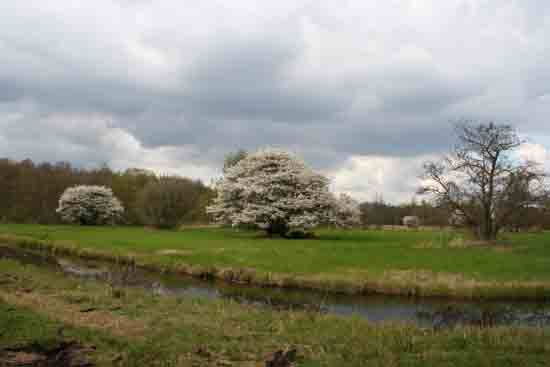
(30, 192)
(378, 213)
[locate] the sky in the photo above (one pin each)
(364, 91)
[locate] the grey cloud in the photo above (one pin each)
(9, 90)
(248, 79)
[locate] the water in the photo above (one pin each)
(425, 312)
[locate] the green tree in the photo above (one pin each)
(168, 202)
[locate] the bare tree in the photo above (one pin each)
(481, 180)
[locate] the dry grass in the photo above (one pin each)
(407, 228)
(463, 243)
(71, 314)
(428, 244)
(174, 252)
(487, 245)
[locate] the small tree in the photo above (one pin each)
(89, 205)
(275, 191)
(168, 202)
(346, 212)
(482, 181)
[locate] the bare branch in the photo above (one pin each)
(481, 179)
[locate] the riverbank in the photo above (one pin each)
(415, 263)
(133, 327)
(379, 309)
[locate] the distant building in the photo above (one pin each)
(411, 221)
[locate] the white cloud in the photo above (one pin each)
(537, 153)
(368, 177)
(128, 152)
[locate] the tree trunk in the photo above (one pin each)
(487, 231)
(277, 229)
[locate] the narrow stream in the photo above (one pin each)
(425, 312)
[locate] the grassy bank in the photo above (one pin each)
(134, 327)
(422, 263)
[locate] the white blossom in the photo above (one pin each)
(89, 205)
(346, 212)
(274, 190)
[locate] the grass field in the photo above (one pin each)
(133, 327)
(411, 262)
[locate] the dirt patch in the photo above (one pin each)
(462, 243)
(494, 246)
(174, 252)
(427, 244)
(424, 276)
(59, 353)
(281, 358)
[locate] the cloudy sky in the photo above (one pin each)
(362, 90)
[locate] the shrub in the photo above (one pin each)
(89, 205)
(168, 202)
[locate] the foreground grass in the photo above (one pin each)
(33, 334)
(404, 262)
(138, 328)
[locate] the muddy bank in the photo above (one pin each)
(55, 353)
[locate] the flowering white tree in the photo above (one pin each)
(89, 205)
(275, 191)
(346, 212)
